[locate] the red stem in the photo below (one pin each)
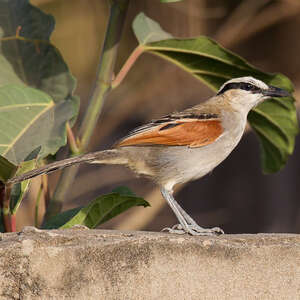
(127, 66)
(72, 140)
(13, 225)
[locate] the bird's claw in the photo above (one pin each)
(174, 230)
(194, 230)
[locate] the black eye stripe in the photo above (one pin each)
(240, 85)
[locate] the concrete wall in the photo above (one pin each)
(96, 264)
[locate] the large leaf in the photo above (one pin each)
(98, 211)
(275, 120)
(34, 116)
(29, 118)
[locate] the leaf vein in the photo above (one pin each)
(27, 126)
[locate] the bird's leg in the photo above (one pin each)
(194, 225)
(187, 224)
(171, 201)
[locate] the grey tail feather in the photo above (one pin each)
(107, 156)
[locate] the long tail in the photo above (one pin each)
(107, 156)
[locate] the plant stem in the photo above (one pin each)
(13, 223)
(72, 141)
(127, 66)
(105, 72)
(101, 88)
(46, 190)
(37, 204)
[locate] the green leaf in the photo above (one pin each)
(19, 190)
(98, 211)
(29, 118)
(62, 218)
(148, 31)
(275, 123)
(274, 120)
(33, 69)
(7, 169)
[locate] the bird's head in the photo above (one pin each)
(247, 92)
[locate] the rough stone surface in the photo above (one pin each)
(97, 264)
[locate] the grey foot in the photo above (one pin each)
(194, 230)
(80, 227)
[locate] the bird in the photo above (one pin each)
(182, 146)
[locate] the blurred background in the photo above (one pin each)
(236, 196)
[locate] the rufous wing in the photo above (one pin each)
(184, 132)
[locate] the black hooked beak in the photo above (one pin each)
(273, 91)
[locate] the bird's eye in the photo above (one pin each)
(248, 87)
